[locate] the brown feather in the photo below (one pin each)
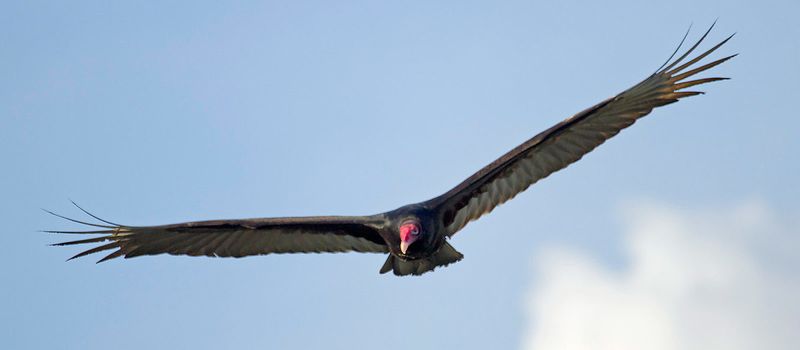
(237, 238)
(568, 141)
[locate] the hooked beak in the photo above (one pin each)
(406, 242)
(409, 233)
(404, 246)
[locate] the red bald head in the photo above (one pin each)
(409, 233)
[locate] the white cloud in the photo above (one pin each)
(694, 279)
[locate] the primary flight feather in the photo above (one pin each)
(414, 236)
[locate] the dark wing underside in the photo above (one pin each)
(235, 238)
(568, 141)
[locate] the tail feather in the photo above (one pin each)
(446, 255)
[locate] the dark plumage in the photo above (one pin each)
(415, 236)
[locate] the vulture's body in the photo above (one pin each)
(414, 236)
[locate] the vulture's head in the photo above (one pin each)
(410, 232)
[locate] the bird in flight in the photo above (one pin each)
(414, 236)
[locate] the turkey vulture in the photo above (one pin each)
(414, 236)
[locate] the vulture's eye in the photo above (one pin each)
(409, 229)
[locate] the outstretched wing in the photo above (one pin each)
(235, 238)
(568, 141)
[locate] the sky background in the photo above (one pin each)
(680, 233)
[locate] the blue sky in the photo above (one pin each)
(176, 111)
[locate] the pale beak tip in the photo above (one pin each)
(404, 247)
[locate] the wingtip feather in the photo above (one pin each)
(77, 221)
(699, 57)
(691, 49)
(702, 68)
(101, 248)
(113, 255)
(92, 215)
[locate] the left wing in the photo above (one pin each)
(568, 141)
(236, 238)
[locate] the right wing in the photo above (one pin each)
(235, 238)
